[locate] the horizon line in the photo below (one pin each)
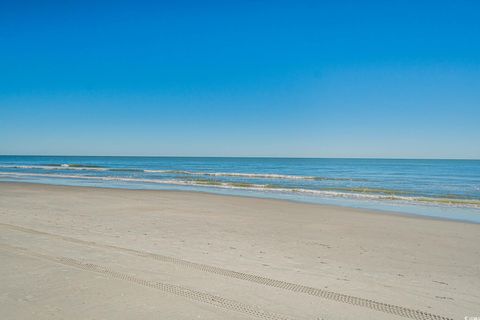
(251, 157)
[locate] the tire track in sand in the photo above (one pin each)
(184, 292)
(321, 293)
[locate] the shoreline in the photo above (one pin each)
(358, 194)
(206, 192)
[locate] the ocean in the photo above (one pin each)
(447, 189)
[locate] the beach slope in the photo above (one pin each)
(78, 252)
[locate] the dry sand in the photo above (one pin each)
(92, 253)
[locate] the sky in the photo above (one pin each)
(241, 78)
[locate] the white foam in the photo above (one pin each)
(60, 167)
(234, 174)
(180, 172)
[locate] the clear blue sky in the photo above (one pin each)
(241, 78)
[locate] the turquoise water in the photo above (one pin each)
(438, 188)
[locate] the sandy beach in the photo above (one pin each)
(93, 253)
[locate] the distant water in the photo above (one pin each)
(438, 188)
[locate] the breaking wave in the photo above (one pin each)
(250, 175)
(57, 167)
(272, 176)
